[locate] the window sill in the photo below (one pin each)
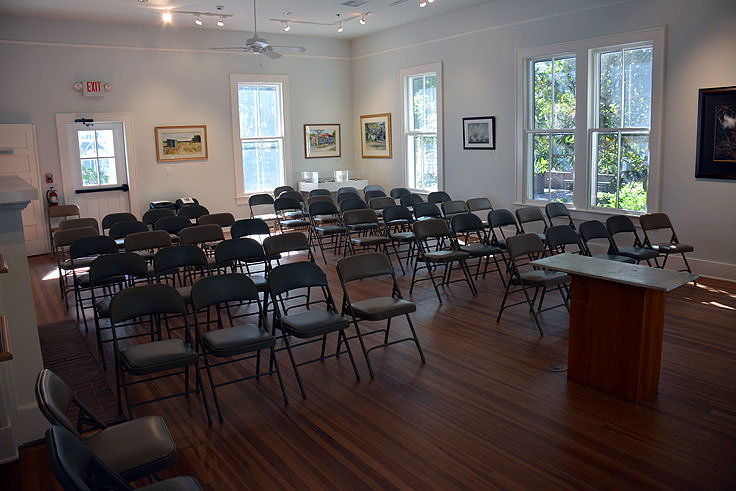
(243, 200)
(584, 214)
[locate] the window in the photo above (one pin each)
(259, 133)
(97, 157)
(590, 109)
(422, 126)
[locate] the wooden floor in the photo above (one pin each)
(485, 411)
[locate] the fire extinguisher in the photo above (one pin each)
(52, 197)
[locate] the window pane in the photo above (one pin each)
(634, 171)
(540, 167)
(542, 110)
(423, 162)
(262, 162)
(430, 103)
(252, 166)
(271, 151)
(269, 111)
(609, 115)
(108, 172)
(562, 175)
(87, 147)
(564, 109)
(638, 87)
(105, 143)
(90, 176)
(247, 109)
(417, 102)
(606, 158)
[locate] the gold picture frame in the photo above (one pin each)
(181, 143)
(375, 136)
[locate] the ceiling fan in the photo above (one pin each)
(259, 45)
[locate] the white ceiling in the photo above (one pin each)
(384, 14)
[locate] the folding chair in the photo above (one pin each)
(654, 222)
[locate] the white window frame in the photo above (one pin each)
(241, 197)
(404, 75)
(586, 112)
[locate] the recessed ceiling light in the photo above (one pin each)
(220, 22)
(166, 17)
(198, 21)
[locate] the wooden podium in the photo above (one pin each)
(616, 322)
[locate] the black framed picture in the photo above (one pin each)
(479, 133)
(716, 157)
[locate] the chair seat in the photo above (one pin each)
(135, 448)
(179, 483)
(186, 293)
(667, 248)
(379, 308)
(445, 255)
(267, 217)
(174, 238)
(147, 255)
(102, 306)
(157, 356)
(403, 236)
(399, 221)
(326, 219)
(313, 323)
(370, 240)
(260, 281)
(293, 214)
(481, 250)
(236, 340)
(638, 253)
(294, 223)
(80, 262)
(541, 277)
(363, 226)
(120, 242)
(613, 257)
(330, 229)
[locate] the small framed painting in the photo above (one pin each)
(321, 140)
(375, 136)
(181, 143)
(479, 133)
(716, 157)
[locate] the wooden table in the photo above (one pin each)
(616, 322)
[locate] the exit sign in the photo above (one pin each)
(93, 88)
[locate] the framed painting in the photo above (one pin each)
(181, 143)
(716, 158)
(479, 133)
(375, 136)
(321, 141)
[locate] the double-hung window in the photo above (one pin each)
(259, 133)
(422, 126)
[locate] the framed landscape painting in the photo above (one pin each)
(716, 158)
(479, 133)
(181, 143)
(375, 136)
(321, 140)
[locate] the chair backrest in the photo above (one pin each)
(426, 210)
(360, 266)
(63, 238)
(92, 246)
(479, 204)
(347, 189)
(169, 259)
(172, 224)
(249, 226)
(353, 204)
(396, 212)
(322, 208)
(143, 300)
(522, 244)
(411, 199)
(466, 223)
(373, 193)
(75, 466)
(530, 214)
(292, 194)
(347, 195)
(381, 202)
(397, 193)
(192, 211)
(63, 211)
(243, 249)
(112, 218)
(79, 223)
(152, 216)
(281, 189)
(221, 219)
(319, 199)
(374, 187)
(355, 217)
(286, 204)
(121, 264)
(560, 236)
(502, 218)
(450, 208)
(655, 221)
(260, 199)
(432, 228)
(288, 242)
(555, 209)
(148, 240)
(54, 397)
(199, 234)
(229, 287)
(591, 230)
(291, 276)
(121, 229)
(438, 197)
(620, 224)
(320, 192)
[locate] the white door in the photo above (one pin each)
(18, 156)
(97, 173)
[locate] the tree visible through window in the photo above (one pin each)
(97, 157)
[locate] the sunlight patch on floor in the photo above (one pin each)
(719, 305)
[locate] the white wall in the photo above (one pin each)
(477, 48)
(166, 76)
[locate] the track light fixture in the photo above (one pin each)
(166, 17)
(198, 21)
(339, 27)
(220, 22)
(286, 27)
(362, 19)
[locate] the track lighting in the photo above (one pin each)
(286, 27)
(166, 17)
(422, 3)
(339, 27)
(198, 21)
(430, 1)
(362, 19)
(220, 22)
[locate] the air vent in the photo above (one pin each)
(354, 3)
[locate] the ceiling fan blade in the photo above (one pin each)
(289, 49)
(231, 48)
(271, 54)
